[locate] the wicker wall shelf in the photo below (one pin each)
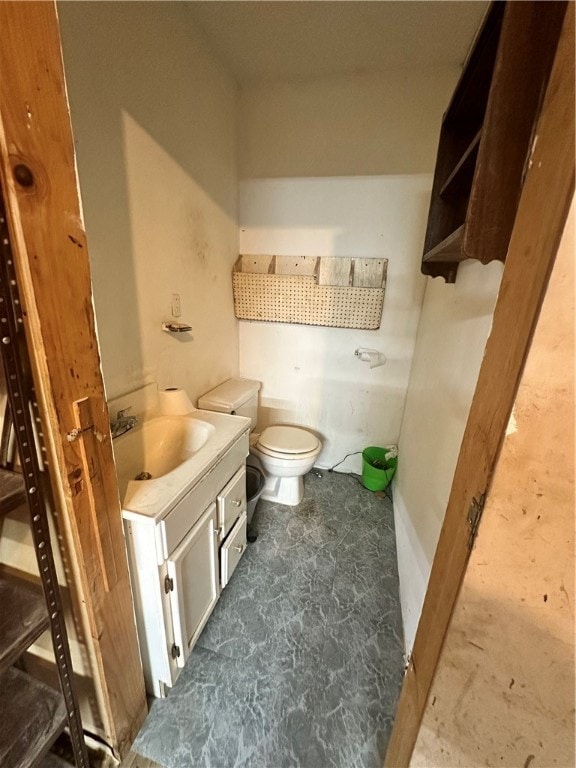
(330, 291)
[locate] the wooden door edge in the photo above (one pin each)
(30, 31)
(539, 224)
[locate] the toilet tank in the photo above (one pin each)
(235, 396)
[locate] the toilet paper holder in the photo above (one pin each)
(372, 356)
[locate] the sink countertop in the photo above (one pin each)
(155, 498)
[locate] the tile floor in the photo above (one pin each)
(300, 664)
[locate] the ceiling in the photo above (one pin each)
(300, 39)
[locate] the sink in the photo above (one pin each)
(159, 446)
(163, 457)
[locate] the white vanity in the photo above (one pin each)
(185, 528)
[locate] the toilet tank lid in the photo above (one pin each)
(229, 396)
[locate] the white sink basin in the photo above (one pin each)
(159, 446)
(157, 461)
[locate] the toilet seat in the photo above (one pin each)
(287, 457)
(291, 442)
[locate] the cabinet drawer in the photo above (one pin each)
(231, 502)
(232, 550)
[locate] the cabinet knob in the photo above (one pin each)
(240, 547)
(237, 502)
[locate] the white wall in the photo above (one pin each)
(154, 118)
(454, 326)
(339, 166)
(310, 374)
(370, 124)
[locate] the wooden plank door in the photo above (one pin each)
(40, 186)
(539, 224)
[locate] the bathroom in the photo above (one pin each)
(184, 163)
(186, 160)
(127, 107)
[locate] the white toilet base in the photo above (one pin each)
(283, 490)
(284, 474)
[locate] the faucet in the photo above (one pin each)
(122, 423)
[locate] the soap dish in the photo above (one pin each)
(172, 327)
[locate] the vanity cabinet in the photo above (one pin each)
(181, 560)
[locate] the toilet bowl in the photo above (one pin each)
(285, 453)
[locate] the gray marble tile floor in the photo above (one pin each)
(301, 662)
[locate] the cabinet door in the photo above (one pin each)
(193, 568)
(231, 502)
(232, 550)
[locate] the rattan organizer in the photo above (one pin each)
(330, 291)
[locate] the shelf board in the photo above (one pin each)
(22, 620)
(33, 716)
(12, 491)
(449, 249)
(460, 179)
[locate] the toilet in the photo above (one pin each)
(284, 453)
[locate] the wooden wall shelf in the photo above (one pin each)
(487, 134)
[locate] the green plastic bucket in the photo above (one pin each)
(377, 470)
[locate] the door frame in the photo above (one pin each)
(543, 208)
(41, 190)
